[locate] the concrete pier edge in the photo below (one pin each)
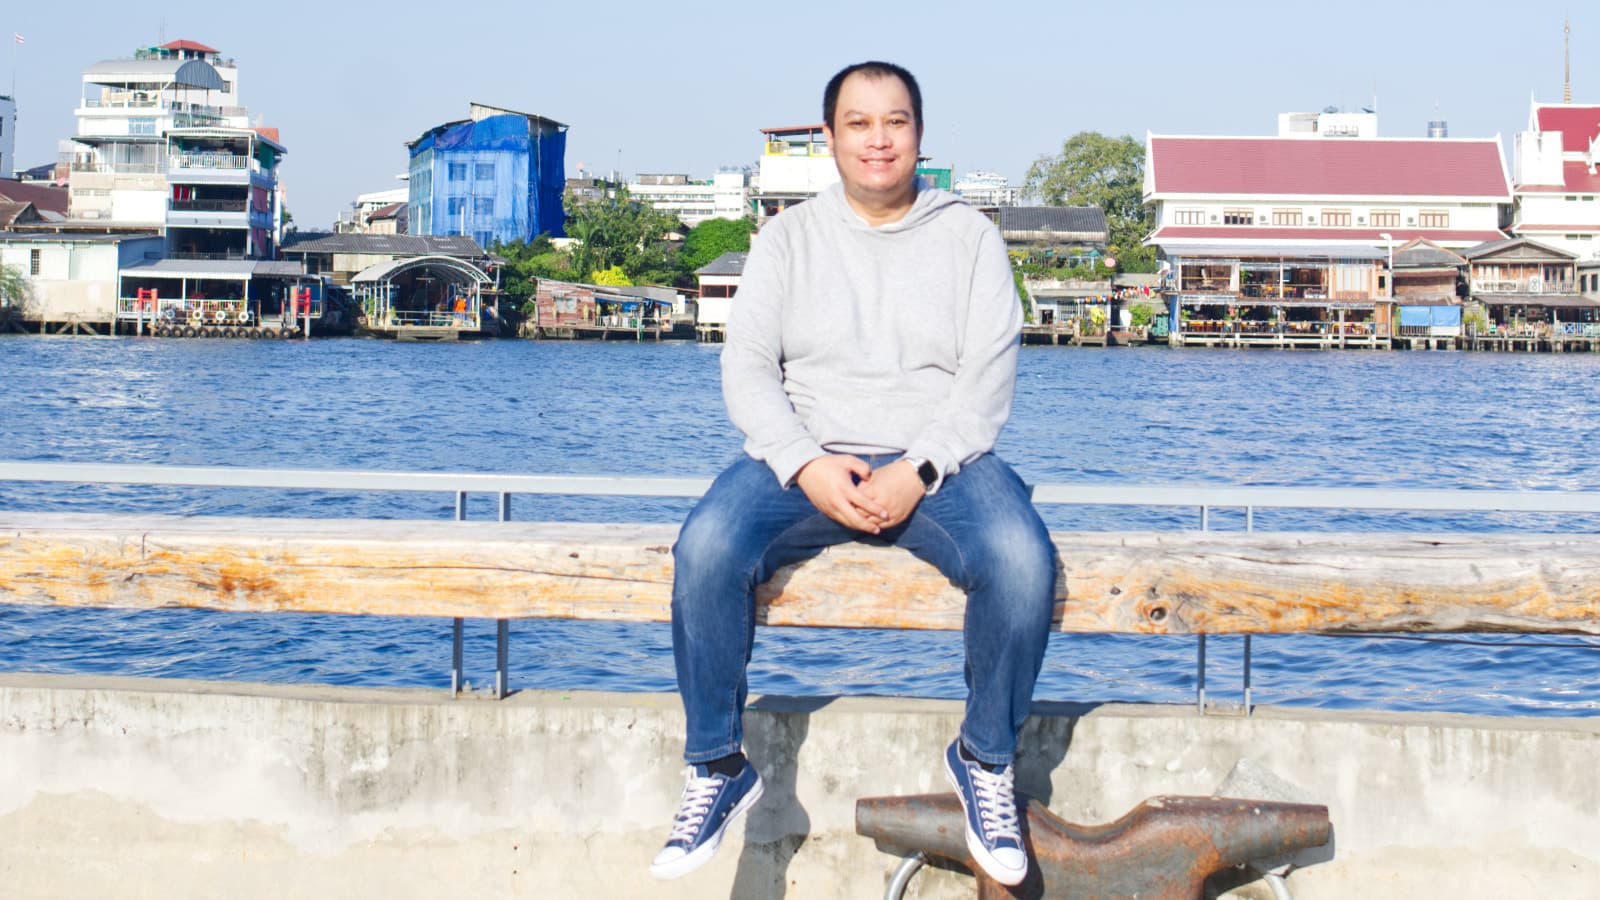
(162, 788)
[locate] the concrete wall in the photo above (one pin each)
(137, 788)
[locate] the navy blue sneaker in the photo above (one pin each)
(709, 804)
(994, 836)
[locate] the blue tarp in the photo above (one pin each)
(495, 180)
(1430, 316)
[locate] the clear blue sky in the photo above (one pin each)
(684, 87)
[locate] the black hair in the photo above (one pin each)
(871, 69)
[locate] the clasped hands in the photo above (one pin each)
(849, 491)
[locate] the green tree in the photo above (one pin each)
(712, 238)
(13, 287)
(612, 277)
(527, 261)
(1108, 172)
(616, 231)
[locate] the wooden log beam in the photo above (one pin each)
(1151, 583)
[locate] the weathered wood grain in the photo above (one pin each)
(1161, 583)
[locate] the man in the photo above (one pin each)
(870, 363)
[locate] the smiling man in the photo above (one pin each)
(870, 363)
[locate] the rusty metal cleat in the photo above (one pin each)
(1164, 849)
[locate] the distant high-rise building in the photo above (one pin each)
(8, 136)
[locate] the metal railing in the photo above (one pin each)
(210, 205)
(209, 161)
(1202, 498)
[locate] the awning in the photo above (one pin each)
(1549, 301)
(231, 269)
(1276, 251)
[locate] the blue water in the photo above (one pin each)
(1128, 415)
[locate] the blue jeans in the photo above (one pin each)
(980, 530)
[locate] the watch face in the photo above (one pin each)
(928, 473)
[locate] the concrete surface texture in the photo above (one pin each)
(137, 788)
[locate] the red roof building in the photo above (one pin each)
(1557, 182)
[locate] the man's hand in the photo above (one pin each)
(830, 484)
(897, 488)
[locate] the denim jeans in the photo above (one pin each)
(980, 530)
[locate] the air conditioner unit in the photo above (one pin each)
(1213, 220)
(1361, 220)
(1311, 221)
(1411, 221)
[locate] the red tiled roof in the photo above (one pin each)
(189, 45)
(1328, 167)
(1578, 124)
(270, 134)
(1540, 226)
(386, 212)
(1577, 180)
(44, 197)
(1345, 235)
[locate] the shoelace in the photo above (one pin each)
(697, 796)
(997, 803)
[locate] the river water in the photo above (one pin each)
(1484, 421)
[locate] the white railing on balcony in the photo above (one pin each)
(210, 161)
(1534, 285)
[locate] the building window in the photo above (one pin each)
(483, 207)
(1286, 217)
(458, 171)
(1433, 218)
(1189, 217)
(1336, 218)
(484, 172)
(455, 206)
(142, 125)
(33, 262)
(1386, 218)
(1238, 217)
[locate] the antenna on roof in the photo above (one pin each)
(1566, 53)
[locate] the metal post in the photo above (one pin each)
(1249, 518)
(1200, 677)
(502, 641)
(457, 624)
(1247, 674)
(502, 630)
(1205, 518)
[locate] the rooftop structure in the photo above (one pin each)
(495, 176)
(985, 189)
(1557, 182)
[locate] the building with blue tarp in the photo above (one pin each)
(495, 177)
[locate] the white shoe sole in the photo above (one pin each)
(687, 863)
(980, 854)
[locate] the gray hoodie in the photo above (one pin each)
(853, 339)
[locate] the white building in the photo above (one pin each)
(1556, 182)
(1330, 123)
(985, 189)
(358, 218)
(8, 136)
(72, 277)
(725, 195)
(796, 165)
(162, 143)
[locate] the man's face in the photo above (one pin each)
(874, 137)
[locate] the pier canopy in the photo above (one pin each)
(428, 291)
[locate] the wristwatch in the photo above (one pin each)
(925, 471)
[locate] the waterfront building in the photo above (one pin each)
(1058, 237)
(718, 281)
(1528, 286)
(1557, 184)
(8, 135)
(496, 177)
(726, 195)
(1427, 295)
(574, 311)
(985, 189)
(795, 165)
(73, 275)
(1284, 240)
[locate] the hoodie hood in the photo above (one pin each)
(926, 207)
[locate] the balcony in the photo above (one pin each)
(239, 205)
(1533, 285)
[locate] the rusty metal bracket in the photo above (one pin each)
(1163, 849)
